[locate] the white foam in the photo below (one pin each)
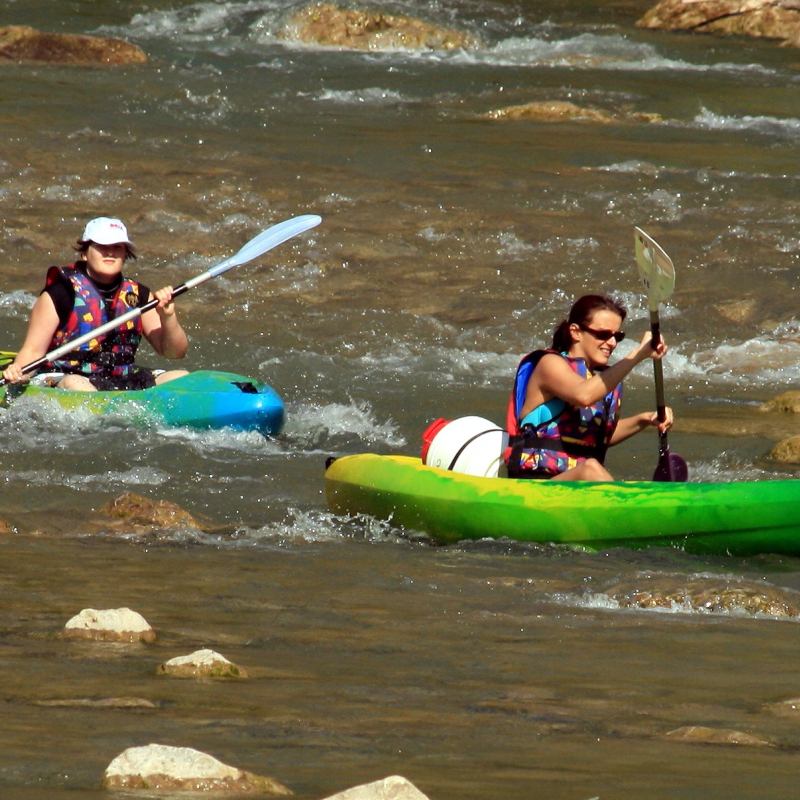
(786, 127)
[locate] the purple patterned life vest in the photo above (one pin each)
(111, 355)
(563, 442)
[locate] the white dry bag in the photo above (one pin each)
(471, 445)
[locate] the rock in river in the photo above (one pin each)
(329, 25)
(201, 664)
(769, 19)
(22, 43)
(113, 624)
(162, 767)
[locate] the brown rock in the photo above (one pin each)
(550, 111)
(5, 527)
(703, 735)
(21, 43)
(770, 19)
(704, 594)
(737, 310)
(140, 510)
(562, 110)
(786, 401)
(358, 29)
(786, 451)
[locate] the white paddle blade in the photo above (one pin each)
(266, 240)
(655, 269)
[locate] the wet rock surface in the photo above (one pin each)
(723, 595)
(562, 111)
(22, 43)
(137, 512)
(330, 25)
(770, 19)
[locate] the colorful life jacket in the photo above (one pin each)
(113, 354)
(570, 437)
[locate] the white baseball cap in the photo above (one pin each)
(106, 230)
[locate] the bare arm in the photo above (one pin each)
(629, 426)
(41, 327)
(161, 327)
(553, 377)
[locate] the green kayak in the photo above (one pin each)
(741, 518)
(204, 399)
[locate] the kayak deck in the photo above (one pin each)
(741, 518)
(203, 399)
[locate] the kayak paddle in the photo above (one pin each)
(658, 274)
(266, 240)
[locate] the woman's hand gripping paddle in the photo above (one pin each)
(257, 246)
(658, 274)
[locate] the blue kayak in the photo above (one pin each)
(204, 400)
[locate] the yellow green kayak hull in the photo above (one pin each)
(739, 518)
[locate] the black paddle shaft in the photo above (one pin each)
(658, 371)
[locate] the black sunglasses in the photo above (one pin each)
(605, 334)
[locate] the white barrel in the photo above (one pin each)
(471, 445)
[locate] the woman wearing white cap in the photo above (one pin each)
(88, 293)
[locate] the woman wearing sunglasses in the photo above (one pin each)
(564, 410)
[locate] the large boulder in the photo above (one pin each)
(329, 25)
(161, 767)
(21, 43)
(770, 19)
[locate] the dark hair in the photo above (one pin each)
(82, 247)
(581, 313)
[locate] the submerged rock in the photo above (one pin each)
(161, 767)
(330, 25)
(5, 527)
(116, 703)
(138, 510)
(562, 110)
(703, 735)
(785, 708)
(115, 624)
(395, 787)
(201, 664)
(770, 19)
(22, 43)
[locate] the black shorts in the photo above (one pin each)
(140, 378)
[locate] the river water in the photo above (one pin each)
(450, 245)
